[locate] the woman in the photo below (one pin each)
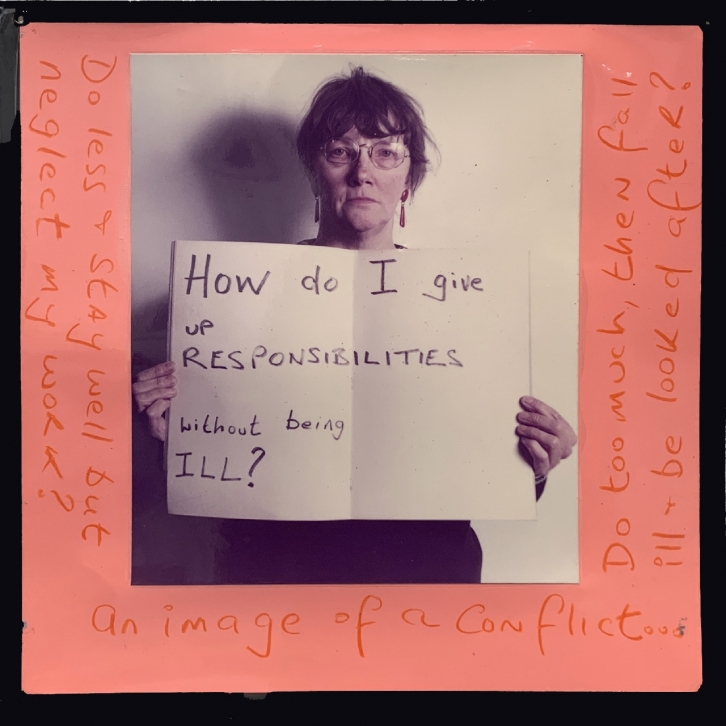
(363, 144)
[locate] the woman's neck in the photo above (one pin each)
(375, 239)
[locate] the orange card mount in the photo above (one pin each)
(632, 621)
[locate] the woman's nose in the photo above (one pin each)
(360, 170)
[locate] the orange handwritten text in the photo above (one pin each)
(554, 620)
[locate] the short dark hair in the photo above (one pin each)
(375, 107)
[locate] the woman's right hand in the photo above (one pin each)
(153, 390)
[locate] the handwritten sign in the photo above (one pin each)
(322, 384)
(633, 621)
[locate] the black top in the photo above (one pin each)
(313, 243)
(350, 552)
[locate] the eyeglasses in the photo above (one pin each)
(343, 151)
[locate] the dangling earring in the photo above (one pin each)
(317, 209)
(402, 218)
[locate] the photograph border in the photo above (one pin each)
(59, 558)
(522, 548)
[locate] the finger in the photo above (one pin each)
(157, 422)
(157, 428)
(145, 400)
(550, 443)
(568, 441)
(573, 436)
(539, 458)
(530, 403)
(158, 408)
(157, 371)
(540, 421)
(151, 383)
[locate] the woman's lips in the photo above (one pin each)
(360, 200)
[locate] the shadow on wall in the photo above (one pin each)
(253, 178)
(255, 190)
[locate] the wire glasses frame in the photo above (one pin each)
(342, 151)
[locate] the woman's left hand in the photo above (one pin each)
(544, 434)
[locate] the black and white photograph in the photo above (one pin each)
(355, 305)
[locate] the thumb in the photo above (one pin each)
(539, 460)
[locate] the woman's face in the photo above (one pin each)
(360, 196)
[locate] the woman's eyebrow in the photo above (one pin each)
(376, 139)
